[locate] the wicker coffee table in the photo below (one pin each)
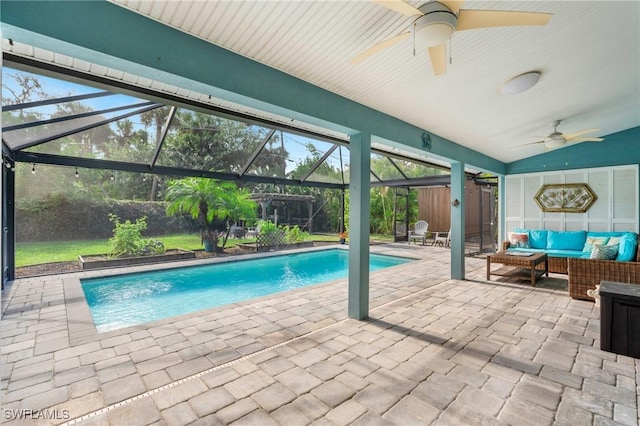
(521, 261)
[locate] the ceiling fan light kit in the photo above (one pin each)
(435, 27)
(555, 140)
(521, 83)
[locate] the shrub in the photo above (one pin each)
(273, 234)
(295, 234)
(152, 246)
(267, 227)
(127, 238)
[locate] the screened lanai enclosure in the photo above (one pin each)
(77, 147)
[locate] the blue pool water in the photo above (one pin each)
(125, 300)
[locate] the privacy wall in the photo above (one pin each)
(434, 204)
(616, 207)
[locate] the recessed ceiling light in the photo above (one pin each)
(520, 83)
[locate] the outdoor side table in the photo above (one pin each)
(620, 318)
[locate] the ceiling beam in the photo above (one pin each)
(73, 117)
(257, 152)
(44, 102)
(319, 162)
(397, 167)
(34, 65)
(83, 128)
(441, 180)
(93, 163)
(165, 131)
(131, 90)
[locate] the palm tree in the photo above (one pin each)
(206, 200)
(239, 207)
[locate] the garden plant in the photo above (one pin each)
(127, 239)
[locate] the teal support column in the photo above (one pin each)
(457, 221)
(359, 210)
(502, 211)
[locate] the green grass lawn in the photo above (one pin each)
(35, 253)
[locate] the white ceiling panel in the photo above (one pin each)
(588, 53)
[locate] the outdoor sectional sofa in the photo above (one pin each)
(570, 252)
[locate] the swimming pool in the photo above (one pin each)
(124, 300)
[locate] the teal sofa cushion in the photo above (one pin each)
(627, 248)
(610, 234)
(566, 240)
(566, 253)
(538, 238)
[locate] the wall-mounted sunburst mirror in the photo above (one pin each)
(565, 197)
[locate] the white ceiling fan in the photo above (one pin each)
(436, 21)
(557, 139)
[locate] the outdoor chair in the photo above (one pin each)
(442, 238)
(251, 232)
(239, 232)
(419, 232)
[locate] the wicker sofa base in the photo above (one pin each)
(558, 265)
(585, 274)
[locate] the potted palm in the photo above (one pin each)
(206, 200)
(343, 237)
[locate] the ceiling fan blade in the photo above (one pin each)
(530, 143)
(399, 6)
(469, 19)
(576, 140)
(453, 5)
(580, 133)
(438, 56)
(379, 47)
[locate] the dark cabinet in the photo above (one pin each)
(620, 318)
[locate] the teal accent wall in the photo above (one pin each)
(617, 149)
(107, 34)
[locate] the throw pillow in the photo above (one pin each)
(613, 241)
(604, 252)
(519, 240)
(588, 245)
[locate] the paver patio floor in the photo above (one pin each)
(433, 351)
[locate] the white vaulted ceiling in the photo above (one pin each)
(588, 53)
